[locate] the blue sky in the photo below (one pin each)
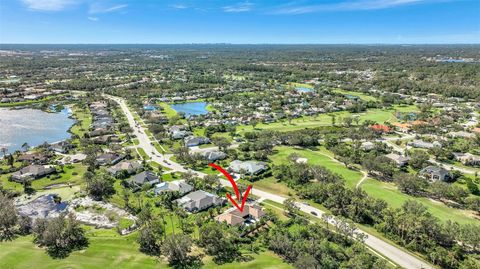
(252, 21)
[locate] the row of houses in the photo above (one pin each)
(24, 93)
(431, 173)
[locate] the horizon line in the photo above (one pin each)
(226, 43)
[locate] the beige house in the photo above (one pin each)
(250, 214)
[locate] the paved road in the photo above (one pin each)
(395, 254)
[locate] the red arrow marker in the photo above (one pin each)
(235, 188)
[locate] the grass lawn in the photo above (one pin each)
(143, 154)
(159, 166)
(389, 193)
(377, 115)
(71, 175)
(262, 260)
(84, 120)
(278, 211)
(167, 110)
(269, 184)
(107, 249)
(318, 158)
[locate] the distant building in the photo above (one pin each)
(61, 147)
(34, 158)
(129, 167)
(247, 167)
(381, 128)
(144, 178)
(177, 185)
(32, 172)
(467, 158)
(424, 145)
(192, 141)
(398, 159)
(461, 134)
(367, 146)
(109, 158)
(213, 155)
(435, 173)
(301, 160)
(402, 127)
(199, 200)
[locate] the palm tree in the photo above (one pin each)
(4, 151)
(25, 146)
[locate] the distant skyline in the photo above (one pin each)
(240, 22)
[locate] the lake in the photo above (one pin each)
(32, 126)
(191, 108)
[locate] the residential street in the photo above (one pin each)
(395, 254)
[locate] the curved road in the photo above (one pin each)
(392, 252)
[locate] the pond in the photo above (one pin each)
(303, 89)
(32, 126)
(191, 108)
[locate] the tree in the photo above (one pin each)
(348, 121)
(60, 235)
(222, 143)
(470, 236)
(100, 186)
(254, 123)
(333, 118)
(356, 119)
(25, 146)
(10, 160)
(150, 238)
(8, 217)
(410, 184)
(418, 159)
(25, 225)
(4, 151)
(291, 208)
(211, 181)
(306, 261)
(219, 242)
(177, 248)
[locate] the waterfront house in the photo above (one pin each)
(32, 172)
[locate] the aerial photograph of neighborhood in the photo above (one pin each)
(239, 134)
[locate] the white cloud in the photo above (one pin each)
(101, 8)
(348, 6)
(49, 5)
(93, 18)
(179, 6)
(240, 7)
